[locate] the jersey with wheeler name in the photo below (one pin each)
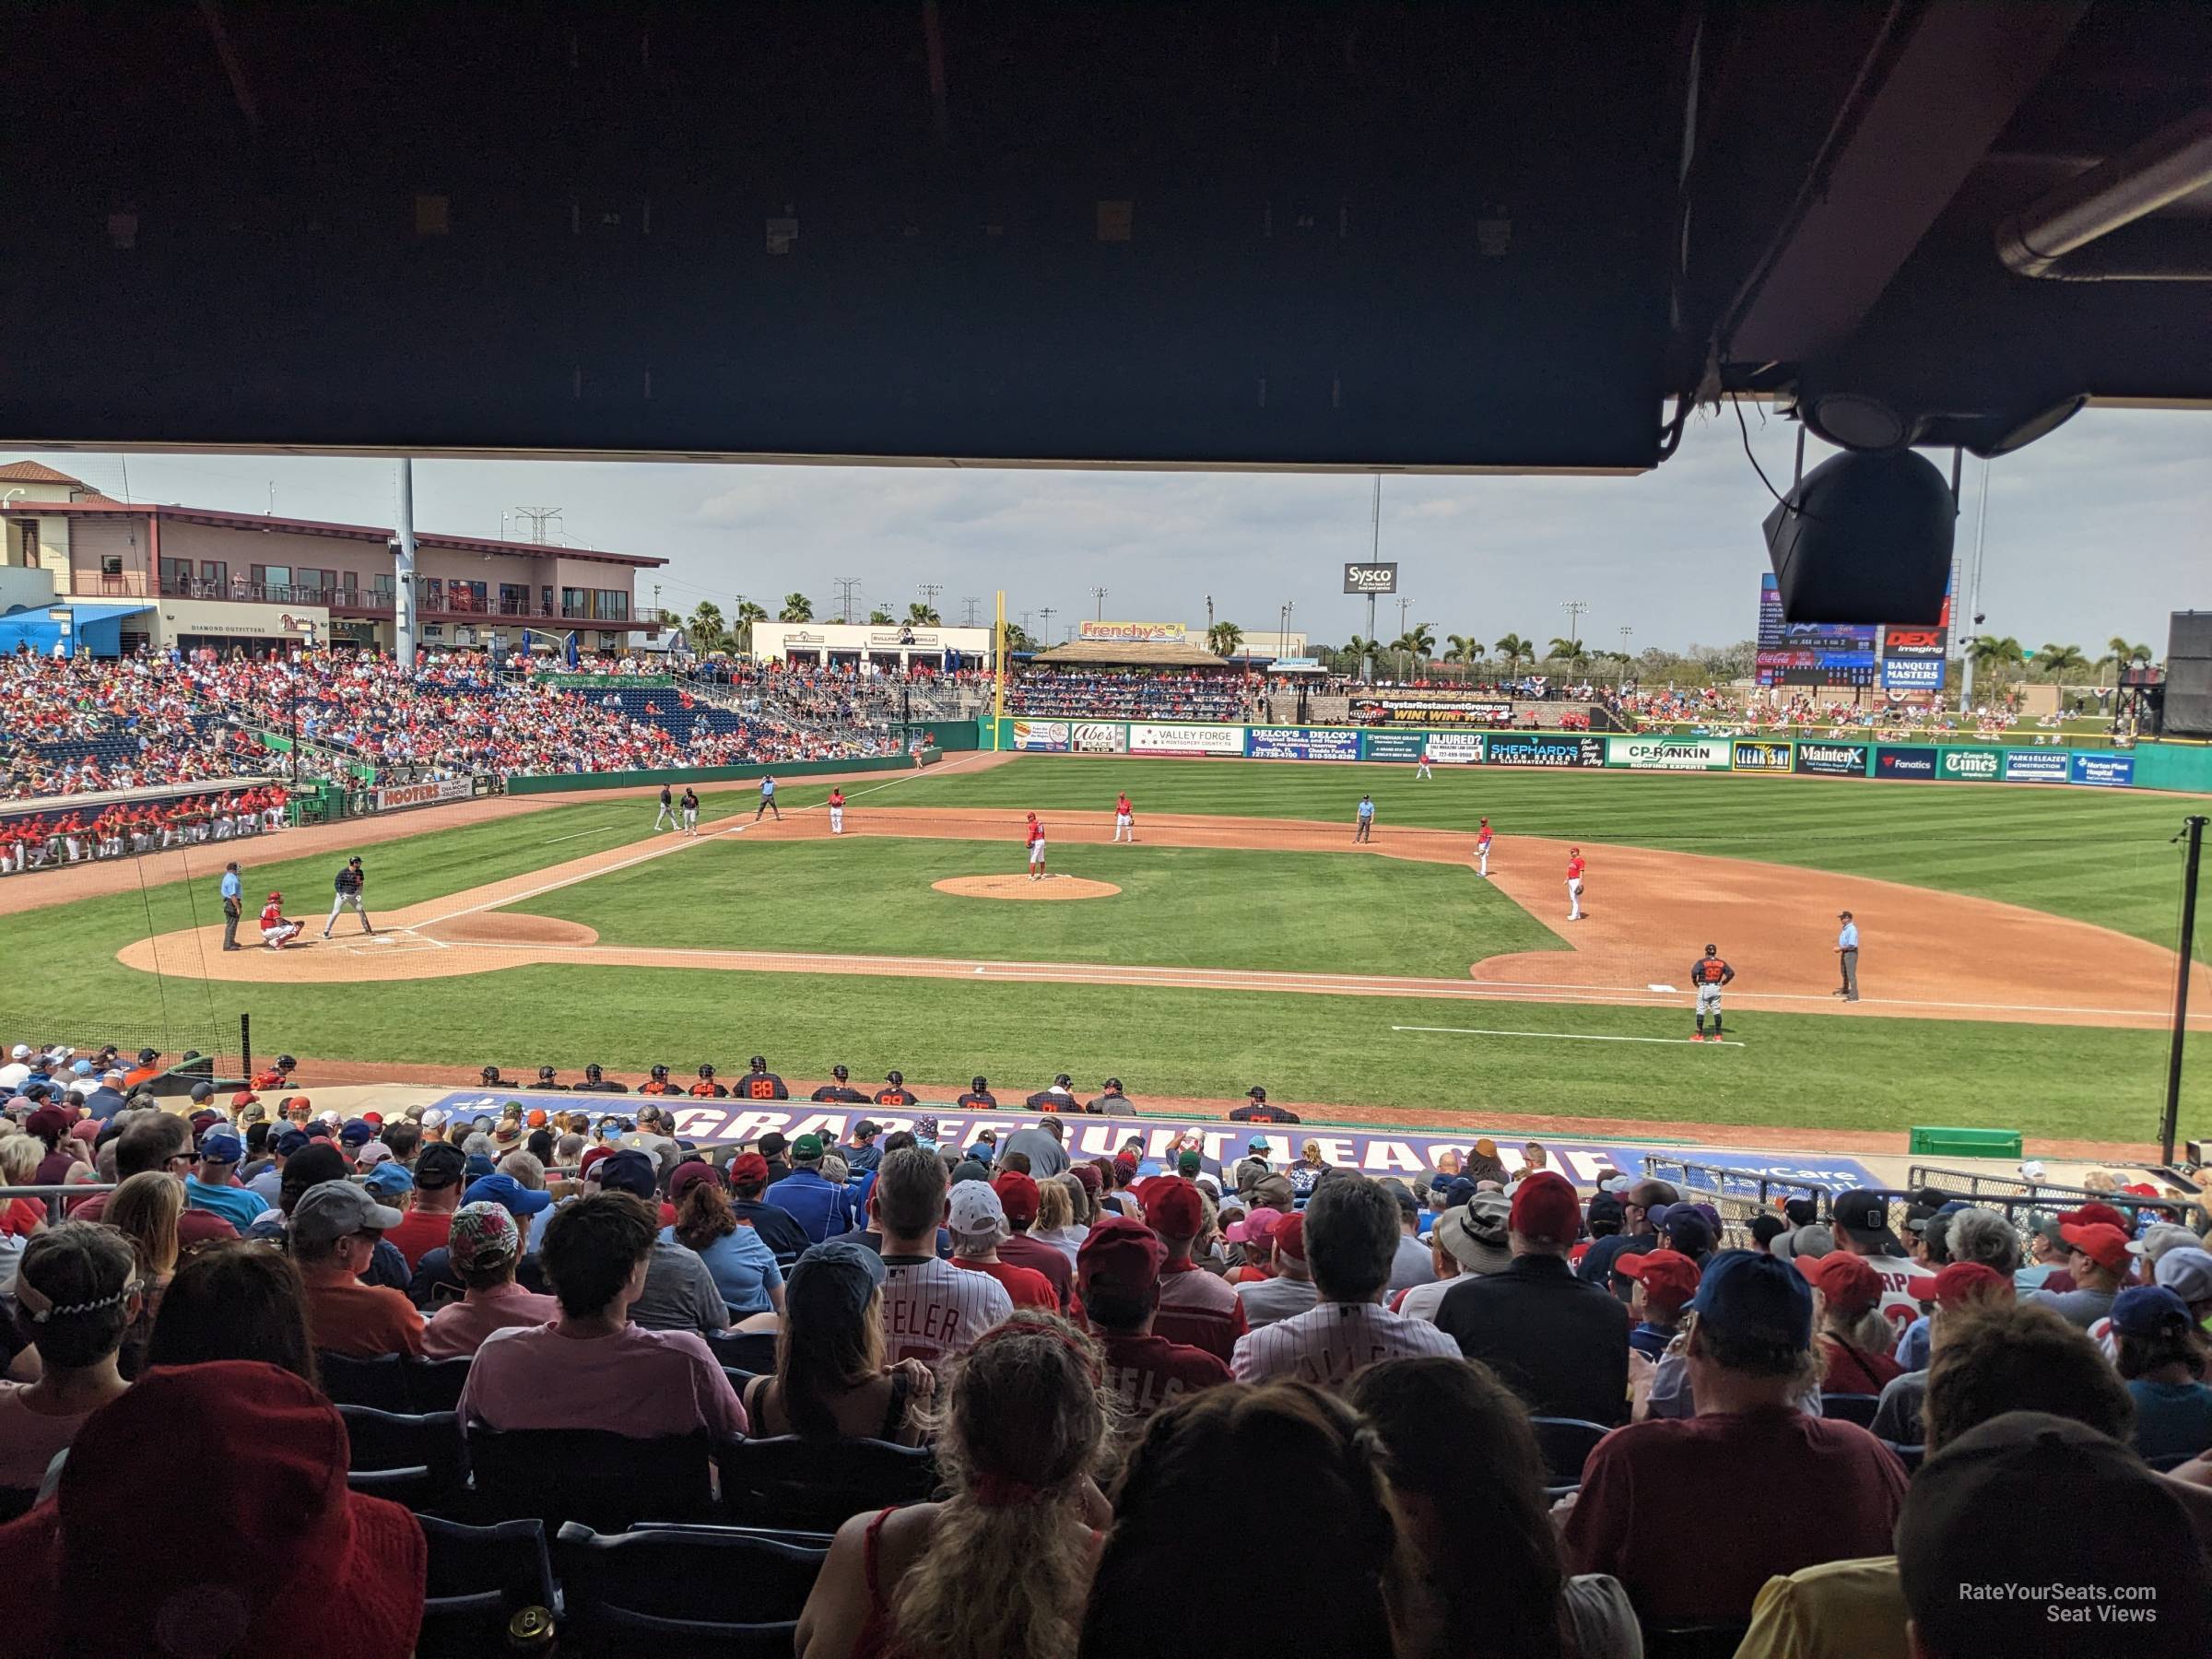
(762, 1086)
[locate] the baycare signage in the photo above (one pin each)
(1371, 578)
(1303, 743)
(1925, 643)
(1668, 754)
(1186, 739)
(1097, 738)
(1749, 754)
(1131, 633)
(1915, 763)
(1543, 748)
(1832, 759)
(1971, 765)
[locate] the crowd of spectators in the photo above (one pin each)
(1514, 1417)
(80, 725)
(1040, 691)
(46, 840)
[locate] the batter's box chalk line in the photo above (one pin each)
(1568, 1036)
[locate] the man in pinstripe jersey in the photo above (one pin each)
(931, 1309)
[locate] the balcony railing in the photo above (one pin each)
(445, 606)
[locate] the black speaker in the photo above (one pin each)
(1864, 539)
(2189, 675)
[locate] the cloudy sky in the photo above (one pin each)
(2100, 528)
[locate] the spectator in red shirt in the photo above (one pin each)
(1117, 1274)
(977, 1222)
(1751, 1354)
(1017, 1195)
(1195, 1306)
(1847, 1310)
(440, 1176)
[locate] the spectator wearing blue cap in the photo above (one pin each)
(2162, 1356)
(680, 1292)
(389, 1183)
(210, 1188)
(270, 1184)
(1804, 1490)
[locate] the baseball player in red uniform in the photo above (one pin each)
(1482, 849)
(1574, 884)
(1036, 848)
(276, 931)
(1420, 767)
(1124, 821)
(837, 810)
(1709, 973)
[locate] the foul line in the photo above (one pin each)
(1565, 1036)
(677, 846)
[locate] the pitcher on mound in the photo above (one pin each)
(1036, 848)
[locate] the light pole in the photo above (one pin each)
(1574, 610)
(1625, 633)
(1099, 594)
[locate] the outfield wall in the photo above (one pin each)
(2149, 766)
(566, 782)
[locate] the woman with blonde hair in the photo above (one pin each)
(145, 1210)
(1306, 1173)
(998, 1569)
(1056, 1213)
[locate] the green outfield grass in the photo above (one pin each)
(1811, 1071)
(1178, 906)
(2094, 855)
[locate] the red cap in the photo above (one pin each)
(689, 1175)
(1125, 1167)
(1669, 1279)
(1545, 1208)
(1961, 1282)
(373, 1117)
(1290, 1237)
(1175, 1207)
(747, 1168)
(2094, 1215)
(1850, 1285)
(583, 1167)
(245, 1096)
(1017, 1195)
(2106, 1246)
(536, 1120)
(1121, 1255)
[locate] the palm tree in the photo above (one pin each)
(1018, 639)
(704, 628)
(2119, 654)
(797, 608)
(1515, 650)
(1223, 638)
(1466, 648)
(741, 637)
(2058, 661)
(1570, 652)
(1421, 639)
(1992, 653)
(923, 616)
(1361, 650)
(880, 618)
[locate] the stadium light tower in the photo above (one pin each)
(1046, 612)
(1098, 594)
(1574, 610)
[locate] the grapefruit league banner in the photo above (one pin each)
(1409, 1155)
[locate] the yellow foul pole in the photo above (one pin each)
(998, 664)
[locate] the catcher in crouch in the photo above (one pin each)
(275, 931)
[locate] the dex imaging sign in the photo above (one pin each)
(1371, 578)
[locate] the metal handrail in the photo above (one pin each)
(56, 1194)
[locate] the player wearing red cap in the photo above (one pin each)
(1124, 820)
(1482, 849)
(1574, 884)
(275, 931)
(1036, 834)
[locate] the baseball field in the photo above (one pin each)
(2017, 967)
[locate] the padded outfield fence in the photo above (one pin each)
(2184, 767)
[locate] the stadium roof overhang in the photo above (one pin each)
(1515, 237)
(1122, 654)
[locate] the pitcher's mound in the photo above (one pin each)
(513, 927)
(1022, 887)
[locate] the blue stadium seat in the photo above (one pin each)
(478, 1578)
(606, 1482)
(435, 1384)
(381, 1382)
(747, 1351)
(1909, 1455)
(1851, 1407)
(817, 1484)
(690, 1589)
(415, 1460)
(1566, 1443)
(1693, 1641)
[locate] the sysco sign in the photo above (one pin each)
(1371, 578)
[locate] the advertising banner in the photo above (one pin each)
(1035, 734)
(1302, 743)
(1439, 708)
(1915, 763)
(2038, 766)
(1925, 644)
(1376, 1152)
(1912, 673)
(1971, 765)
(1186, 739)
(1760, 754)
(1668, 754)
(1097, 738)
(2114, 771)
(1391, 746)
(1544, 748)
(1131, 633)
(1371, 578)
(394, 797)
(1456, 748)
(1832, 759)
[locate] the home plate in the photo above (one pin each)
(1668, 989)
